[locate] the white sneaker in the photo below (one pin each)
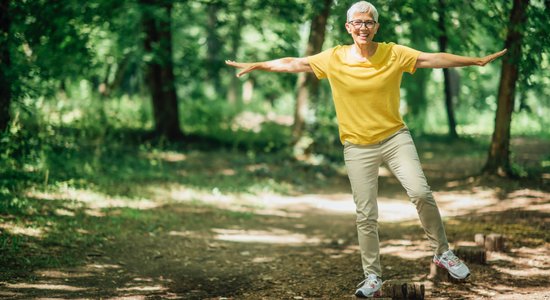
(453, 264)
(370, 287)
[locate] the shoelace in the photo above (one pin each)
(364, 280)
(452, 257)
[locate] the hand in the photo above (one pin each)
(248, 67)
(489, 58)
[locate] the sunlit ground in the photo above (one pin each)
(273, 236)
(72, 283)
(453, 203)
(522, 262)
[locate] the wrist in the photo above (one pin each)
(479, 62)
(261, 66)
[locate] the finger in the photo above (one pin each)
(495, 55)
(491, 58)
(232, 63)
(241, 73)
(247, 70)
(236, 64)
(500, 53)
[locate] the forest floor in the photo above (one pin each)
(205, 239)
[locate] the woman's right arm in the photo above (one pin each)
(286, 65)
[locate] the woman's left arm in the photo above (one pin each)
(447, 60)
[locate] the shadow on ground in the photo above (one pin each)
(164, 224)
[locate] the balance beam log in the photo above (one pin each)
(472, 254)
(402, 289)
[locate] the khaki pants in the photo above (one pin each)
(362, 163)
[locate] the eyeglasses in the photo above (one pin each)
(359, 23)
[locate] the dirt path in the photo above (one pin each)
(180, 238)
(301, 247)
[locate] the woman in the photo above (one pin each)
(365, 79)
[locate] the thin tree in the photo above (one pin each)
(235, 40)
(308, 85)
(416, 85)
(213, 49)
(157, 25)
(442, 41)
(498, 161)
(5, 65)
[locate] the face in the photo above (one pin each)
(362, 35)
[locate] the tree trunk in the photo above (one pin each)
(160, 69)
(308, 85)
(498, 161)
(120, 72)
(446, 75)
(415, 86)
(5, 66)
(523, 106)
(213, 47)
(234, 87)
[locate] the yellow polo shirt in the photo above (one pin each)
(366, 94)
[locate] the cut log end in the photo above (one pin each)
(438, 274)
(492, 242)
(479, 238)
(472, 254)
(401, 289)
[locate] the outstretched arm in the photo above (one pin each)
(287, 65)
(446, 60)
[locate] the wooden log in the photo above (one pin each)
(479, 238)
(420, 291)
(401, 289)
(438, 274)
(415, 291)
(494, 242)
(472, 254)
(395, 289)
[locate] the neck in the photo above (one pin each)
(365, 50)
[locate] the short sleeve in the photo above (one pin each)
(320, 62)
(407, 57)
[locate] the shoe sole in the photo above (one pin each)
(375, 294)
(452, 275)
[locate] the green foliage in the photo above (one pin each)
(57, 46)
(51, 42)
(64, 54)
(226, 124)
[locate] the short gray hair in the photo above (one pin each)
(362, 7)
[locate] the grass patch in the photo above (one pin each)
(69, 186)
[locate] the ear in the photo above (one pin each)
(348, 27)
